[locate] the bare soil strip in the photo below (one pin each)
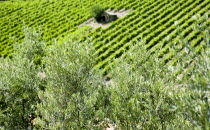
(91, 22)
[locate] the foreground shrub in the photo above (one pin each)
(70, 78)
(19, 83)
(146, 94)
(143, 92)
(61, 89)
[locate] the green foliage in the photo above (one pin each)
(19, 84)
(96, 12)
(65, 91)
(68, 75)
(149, 19)
(155, 24)
(146, 94)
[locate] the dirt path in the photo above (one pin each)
(91, 22)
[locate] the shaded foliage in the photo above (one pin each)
(64, 91)
(96, 12)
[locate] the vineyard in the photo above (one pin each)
(153, 21)
(105, 64)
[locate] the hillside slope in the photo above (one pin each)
(160, 24)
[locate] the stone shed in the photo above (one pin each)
(108, 17)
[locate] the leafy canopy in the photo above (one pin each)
(96, 11)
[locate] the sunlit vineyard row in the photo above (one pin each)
(54, 19)
(160, 24)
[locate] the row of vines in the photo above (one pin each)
(160, 24)
(54, 19)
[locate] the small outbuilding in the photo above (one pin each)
(108, 17)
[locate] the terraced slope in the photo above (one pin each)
(154, 21)
(53, 18)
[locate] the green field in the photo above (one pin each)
(147, 70)
(150, 20)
